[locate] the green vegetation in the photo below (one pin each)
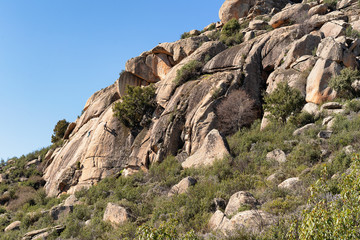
(350, 32)
(333, 214)
(185, 35)
(283, 102)
(342, 83)
(138, 104)
(231, 32)
(331, 3)
(59, 130)
(188, 72)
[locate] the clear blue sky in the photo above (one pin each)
(54, 54)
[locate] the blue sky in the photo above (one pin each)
(54, 54)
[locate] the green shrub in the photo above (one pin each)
(167, 172)
(353, 105)
(189, 71)
(302, 119)
(283, 102)
(231, 33)
(59, 130)
(137, 103)
(281, 206)
(350, 32)
(331, 3)
(185, 35)
(332, 216)
(342, 83)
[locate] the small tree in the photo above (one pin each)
(283, 102)
(189, 71)
(59, 130)
(342, 83)
(235, 111)
(137, 103)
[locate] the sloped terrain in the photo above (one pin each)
(285, 72)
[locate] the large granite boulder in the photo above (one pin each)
(116, 214)
(238, 200)
(213, 148)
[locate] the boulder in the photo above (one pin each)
(60, 211)
(291, 184)
(327, 120)
(333, 29)
(294, 78)
(71, 201)
(127, 78)
(42, 233)
(3, 178)
(330, 49)
(317, 90)
(331, 105)
(304, 64)
(32, 162)
(180, 49)
(265, 121)
(325, 134)
(349, 60)
(235, 9)
(149, 67)
(317, 20)
(301, 47)
(116, 214)
(320, 9)
(290, 14)
(257, 24)
(182, 186)
(254, 221)
(213, 148)
(356, 25)
(194, 32)
(68, 131)
(217, 220)
(238, 200)
(49, 154)
(277, 155)
(303, 129)
(13, 226)
(311, 108)
(344, 3)
(276, 177)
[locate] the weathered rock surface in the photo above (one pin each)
(278, 155)
(311, 108)
(60, 211)
(42, 233)
(213, 148)
(292, 13)
(330, 49)
(238, 200)
(291, 184)
(116, 214)
(303, 129)
(252, 221)
(333, 29)
(235, 9)
(317, 90)
(182, 186)
(13, 226)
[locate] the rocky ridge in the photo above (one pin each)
(305, 52)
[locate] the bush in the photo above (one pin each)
(59, 130)
(235, 111)
(185, 35)
(283, 102)
(331, 3)
(302, 119)
(332, 216)
(231, 34)
(189, 71)
(350, 32)
(342, 83)
(167, 172)
(137, 103)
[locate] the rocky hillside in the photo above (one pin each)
(190, 159)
